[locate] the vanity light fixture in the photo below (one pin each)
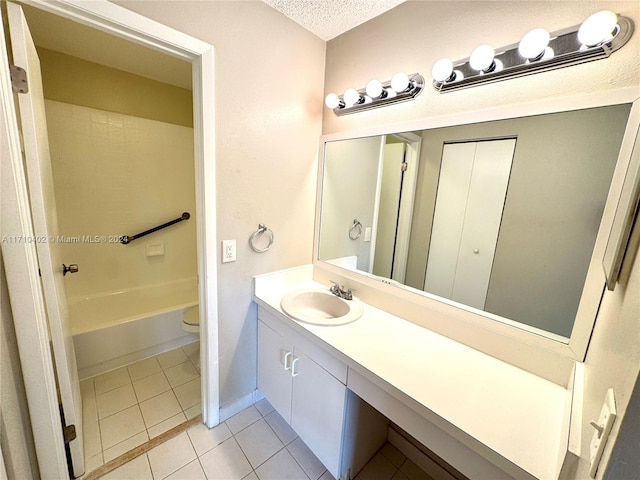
(598, 37)
(400, 88)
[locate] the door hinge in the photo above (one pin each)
(404, 166)
(19, 82)
(69, 433)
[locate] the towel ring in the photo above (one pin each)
(356, 230)
(261, 229)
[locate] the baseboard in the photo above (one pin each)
(240, 404)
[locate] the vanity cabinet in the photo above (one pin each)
(306, 386)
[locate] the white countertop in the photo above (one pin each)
(513, 412)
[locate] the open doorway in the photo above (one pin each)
(109, 17)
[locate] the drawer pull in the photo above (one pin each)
(287, 360)
(293, 367)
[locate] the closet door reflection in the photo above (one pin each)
(469, 205)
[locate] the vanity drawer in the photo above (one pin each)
(311, 349)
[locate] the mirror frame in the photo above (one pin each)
(611, 227)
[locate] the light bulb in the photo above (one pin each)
(443, 70)
(482, 58)
(400, 82)
(332, 101)
(374, 89)
(533, 44)
(351, 97)
(598, 28)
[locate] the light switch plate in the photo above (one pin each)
(599, 440)
(367, 234)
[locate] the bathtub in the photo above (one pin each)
(118, 328)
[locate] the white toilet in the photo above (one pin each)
(191, 324)
(191, 320)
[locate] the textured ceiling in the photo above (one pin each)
(329, 18)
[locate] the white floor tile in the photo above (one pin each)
(281, 466)
(379, 468)
(194, 411)
(87, 390)
(258, 442)
(306, 459)
(159, 408)
(91, 439)
(182, 373)
(399, 476)
(136, 469)
(123, 447)
(116, 400)
(110, 380)
(225, 462)
(171, 456)
(172, 358)
(204, 438)
(144, 368)
(251, 476)
(243, 419)
(327, 476)
(91, 463)
(413, 471)
(191, 471)
(122, 425)
(193, 351)
(264, 407)
(151, 386)
(392, 454)
(89, 409)
(189, 394)
(285, 433)
(166, 425)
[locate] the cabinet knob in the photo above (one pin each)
(476, 251)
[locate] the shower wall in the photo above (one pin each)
(118, 175)
(123, 162)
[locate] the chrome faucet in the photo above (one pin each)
(340, 291)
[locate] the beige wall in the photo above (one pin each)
(119, 175)
(72, 80)
(269, 83)
(415, 35)
(16, 439)
(412, 36)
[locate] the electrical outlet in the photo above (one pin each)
(228, 251)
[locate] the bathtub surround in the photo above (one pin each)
(118, 175)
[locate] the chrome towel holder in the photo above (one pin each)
(261, 229)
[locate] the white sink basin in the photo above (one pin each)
(320, 307)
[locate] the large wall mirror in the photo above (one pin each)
(498, 217)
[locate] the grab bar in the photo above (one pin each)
(128, 239)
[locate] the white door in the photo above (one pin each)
(45, 225)
(388, 209)
(467, 219)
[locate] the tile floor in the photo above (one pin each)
(126, 407)
(255, 444)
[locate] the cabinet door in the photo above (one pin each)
(274, 378)
(317, 410)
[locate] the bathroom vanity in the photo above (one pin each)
(483, 416)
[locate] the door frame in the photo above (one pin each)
(21, 271)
